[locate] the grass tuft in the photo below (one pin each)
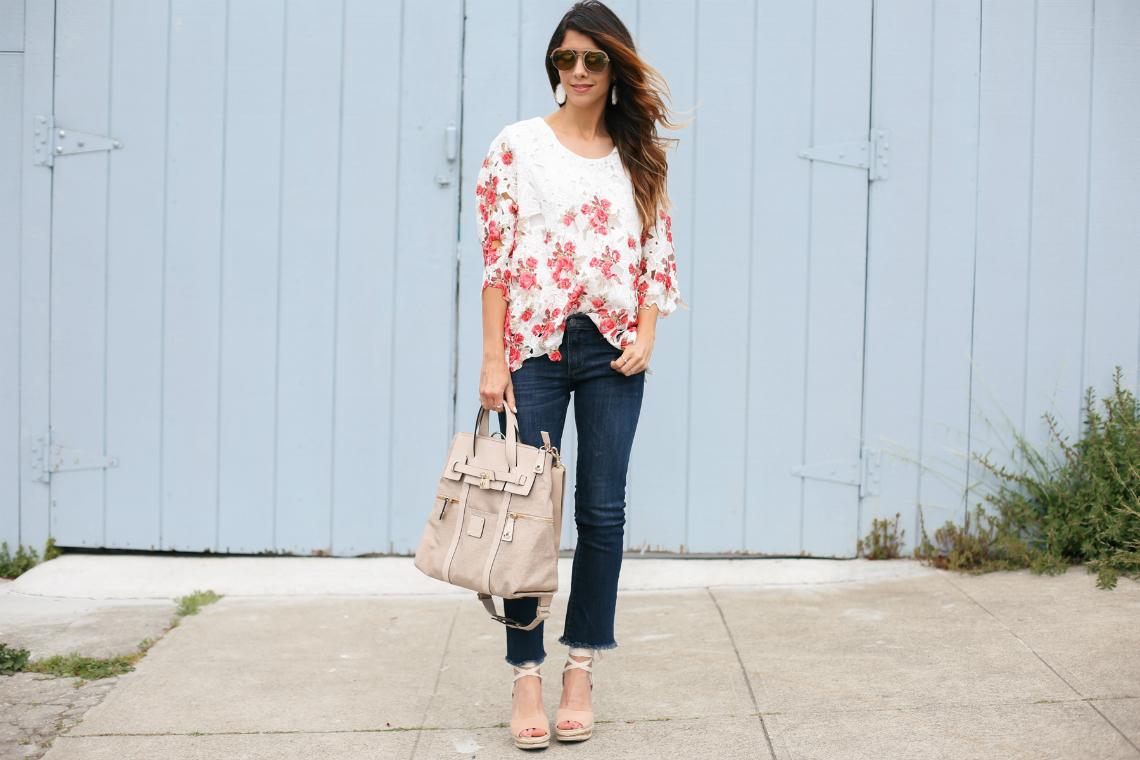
(191, 603)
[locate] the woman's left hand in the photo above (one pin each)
(634, 358)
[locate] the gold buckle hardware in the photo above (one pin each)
(484, 483)
(554, 451)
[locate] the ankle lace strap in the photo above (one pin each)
(571, 663)
(524, 671)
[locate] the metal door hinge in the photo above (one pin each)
(874, 155)
(48, 458)
(862, 472)
(50, 140)
(451, 143)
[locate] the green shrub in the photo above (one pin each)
(884, 541)
(1075, 504)
(15, 565)
(12, 660)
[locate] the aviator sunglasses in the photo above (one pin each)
(594, 60)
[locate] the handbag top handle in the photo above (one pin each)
(482, 427)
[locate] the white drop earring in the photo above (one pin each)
(559, 94)
(613, 94)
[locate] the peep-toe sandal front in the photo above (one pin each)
(518, 725)
(584, 718)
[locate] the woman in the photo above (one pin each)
(578, 266)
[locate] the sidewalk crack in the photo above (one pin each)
(743, 672)
(435, 687)
(1043, 662)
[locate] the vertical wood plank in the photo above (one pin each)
(195, 128)
(251, 197)
(35, 272)
(898, 256)
(1060, 187)
(135, 273)
(483, 118)
(309, 197)
(778, 331)
(538, 21)
(837, 273)
(11, 30)
(426, 246)
(78, 273)
(1112, 317)
(1005, 177)
(949, 285)
(364, 315)
(11, 156)
(657, 490)
(719, 284)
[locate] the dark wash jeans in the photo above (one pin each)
(606, 408)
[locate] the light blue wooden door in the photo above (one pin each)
(764, 374)
(252, 300)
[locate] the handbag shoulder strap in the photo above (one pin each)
(544, 603)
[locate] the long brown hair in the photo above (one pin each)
(641, 91)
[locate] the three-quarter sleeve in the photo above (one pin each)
(657, 281)
(498, 215)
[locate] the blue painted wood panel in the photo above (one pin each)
(657, 496)
(422, 394)
(837, 271)
(1056, 297)
(717, 280)
(250, 251)
(780, 287)
(1005, 172)
(1113, 243)
(79, 270)
(949, 271)
(135, 271)
(12, 31)
(267, 307)
(366, 274)
(310, 179)
(11, 158)
(195, 167)
(921, 260)
(35, 276)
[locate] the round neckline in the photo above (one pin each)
(554, 137)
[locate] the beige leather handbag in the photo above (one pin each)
(497, 519)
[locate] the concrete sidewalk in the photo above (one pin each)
(811, 659)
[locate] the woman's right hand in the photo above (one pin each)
(495, 384)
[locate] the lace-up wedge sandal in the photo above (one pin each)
(584, 718)
(518, 725)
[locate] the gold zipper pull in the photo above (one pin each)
(509, 530)
(446, 500)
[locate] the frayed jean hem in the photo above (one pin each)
(519, 664)
(578, 645)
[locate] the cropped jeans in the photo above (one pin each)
(606, 407)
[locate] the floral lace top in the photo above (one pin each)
(561, 234)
